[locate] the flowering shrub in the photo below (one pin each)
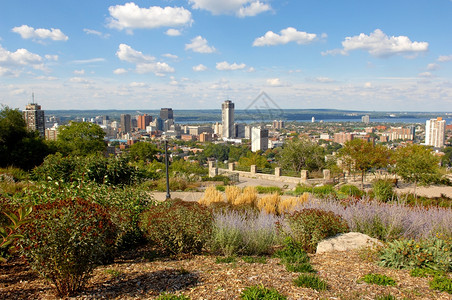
(435, 254)
(309, 226)
(66, 241)
(177, 226)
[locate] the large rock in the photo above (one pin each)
(346, 241)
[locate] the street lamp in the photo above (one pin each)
(168, 196)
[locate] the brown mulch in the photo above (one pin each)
(200, 277)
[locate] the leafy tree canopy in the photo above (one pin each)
(254, 158)
(81, 139)
(301, 154)
(143, 151)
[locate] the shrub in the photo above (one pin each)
(211, 195)
(320, 191)
(423, 272)
(66, 241)
(294, 257)
(382, 190)
(177, 226)
(268, 189)
(254, 259)
(259, 292)
(310, 226)
(225, 260)
(441, 283)
(378, 279)
(435, 254)
(350, 190)
(311, 281)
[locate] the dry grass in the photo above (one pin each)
(211, 195)
(248, 196)
(288, 205)
(232, 193)
(269, 203)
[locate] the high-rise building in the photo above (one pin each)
(227, 117)
(126, 123)
(435, 130)
(166, 114)
(365, 119)
(143, 121)
(34, 118)
(259, 139)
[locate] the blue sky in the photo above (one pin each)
(194, 54)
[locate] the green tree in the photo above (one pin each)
(81, 139)
(417, 164)
(235, 152)
(300, 154)
(18, 146)
(446, 160)
(142, 151)
(217, 151)
(254, 158)
(360, 155)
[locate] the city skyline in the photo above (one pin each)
(352, 55)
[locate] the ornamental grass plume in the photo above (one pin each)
(248, 196)
(269, 203)
(211, 195)
(232, 192)
(288, 205)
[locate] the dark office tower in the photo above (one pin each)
(34, 117)
(166, 114)
(227, 113)
(144, 121)
(126, 123)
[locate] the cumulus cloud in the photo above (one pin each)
(169, 55)
(11, 61)
(143, 63)
(445, 58)
(287, 35)
(199, 45)
(119, 71)
(378, 44)
(225, 66)
(199, 68)
(275, 82)
(27, 32)
(241, 8)
(173, 32)
(131, 16)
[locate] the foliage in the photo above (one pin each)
(350, 190)
(177, 226)
(226, 180)
(417, 164)
(360, 155)
(441, 283)
(243, 233)
(8, 233)
(268, 189)
(225, 260)
(142, 151)
(18, 146)
(294, 257)
(188, 168)
(259, 292)
(309, 226)
(311, 281)
(254, 259)
(301, 154)
(424, 272)
(254, 158)
(80, 139)
(13, 174)
(218, 151)
(322, 191)
(382, 190)
(378, 279)
(167, 296)
(67, 240)
(435, 254)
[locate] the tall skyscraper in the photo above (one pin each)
(143, 121)
(435, 130)
(259, 139)
(227, 117)
(365, 119)
(166, 114)
(35, 119)
(126, 123)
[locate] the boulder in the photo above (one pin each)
(346, 241)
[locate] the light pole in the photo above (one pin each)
(168, 196)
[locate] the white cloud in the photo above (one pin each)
(47, 78)
(131, 16)
(27, 32)
(241, 8)
(289, 34)
(445, 58)
(80, 80)
(200, 45)
(95, 32)
(79, 72)
(169, 55)
(137, 84)
(275, 82)
(143, 63)
(120, 71)
(199, 68)
(51, 57)
(433, 67)
(380, 45)
(368, 85)
(88, 61)
(173, 32)
(321, 79)
(426, 74)
(225, 66)
(11, 61)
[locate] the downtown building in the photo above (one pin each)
(259, 139)
(435, 132)
(34, 118)
(227, 117)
